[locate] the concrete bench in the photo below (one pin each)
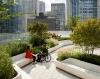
(20, 60)
(79, 68)
(23, 62)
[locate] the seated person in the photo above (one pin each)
(44, 50)
(29, 54)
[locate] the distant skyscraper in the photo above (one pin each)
(88, 9)
(50, 21)
(72, 7)
(30, 8)
(41, 7)
(58, 10)
(13, 24)
(98, 8)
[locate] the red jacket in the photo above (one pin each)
(28, 54)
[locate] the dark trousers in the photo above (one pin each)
(34, 58)
(39, 58)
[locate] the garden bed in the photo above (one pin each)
(90, 58)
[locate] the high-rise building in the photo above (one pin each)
(30, 8)
(13, 24)
(58, 10)
(72, 7)
(50, 21)
(88, 9)
(98, 8)
(41, 7)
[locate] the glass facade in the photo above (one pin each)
(87, 9)
(75, 5)
(58, 10)
(13, 24)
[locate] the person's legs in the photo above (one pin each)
(38, 58)
(34, 58)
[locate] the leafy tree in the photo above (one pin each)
(38, 33)
(4, 12)
(72, 22)
(37, 28)
(87, 34)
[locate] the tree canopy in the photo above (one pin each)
(72, 22)
(37, 27)
(87, 33)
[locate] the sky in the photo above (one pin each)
(48, 3)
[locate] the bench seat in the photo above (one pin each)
(77, 70)
(23, 62)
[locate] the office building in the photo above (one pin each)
(41, 7)
(88, 9)
(98, 8)
(72, 7)
(50, 21)
(58, 10)
(30, 8)
(13, 24)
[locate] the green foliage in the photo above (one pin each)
(64, 38)
(38, 33)
(37, 28)
(87, 33)
(37, 40)
(36, 50)
(51, 42)
(4, 11)
(68, 54)
(6, 69)
(5, 14)
(72, 22)
(94, 59)
(15, 48)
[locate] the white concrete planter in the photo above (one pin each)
(79, 68)
(18, 74)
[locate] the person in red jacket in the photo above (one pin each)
(29, 54)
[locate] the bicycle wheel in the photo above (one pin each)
(48, 58)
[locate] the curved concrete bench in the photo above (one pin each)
(79, 68)
(20, 60)
(23, 62)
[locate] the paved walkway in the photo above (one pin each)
(47, 70)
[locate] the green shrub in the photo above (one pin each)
(63, 38)
(6, 69)
(37, 40)
(36, 50)
(51, 42)
(3, 47)
(94, 59)
(15, 48)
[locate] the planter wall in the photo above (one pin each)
(18, 74)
